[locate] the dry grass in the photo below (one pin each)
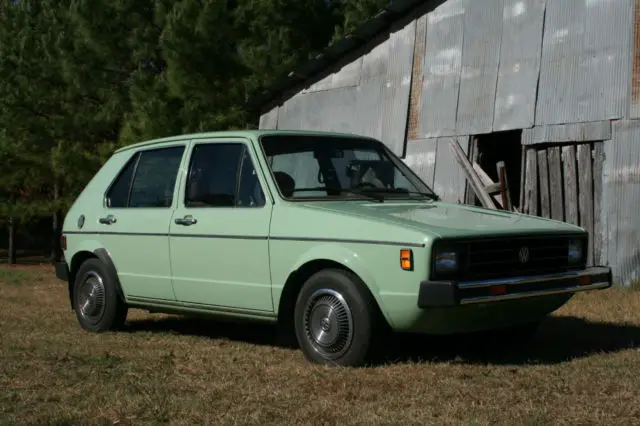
(581, 369)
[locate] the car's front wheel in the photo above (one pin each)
(97, 304)
(334, 318)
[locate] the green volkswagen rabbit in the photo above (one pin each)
(331, 236)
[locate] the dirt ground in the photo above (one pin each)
(582, 368)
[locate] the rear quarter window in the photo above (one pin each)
(147, 180)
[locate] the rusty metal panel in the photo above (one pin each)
(520, 52)
(442, 67)
(620, 201)
(480, 61)
(346, 76)
(269, 120)
(395, 107)
(415, 94)
(421, 157)
(586, 62)
(573, 132)
(449, 180)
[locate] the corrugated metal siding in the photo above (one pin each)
(395, 108)
(346, 76)
(377, 106)
(290, 112)
(572, 132)
(269, 120)
(442, 67)
(449, 180)
(620, 201)
(371, 91)
(635, 77)
(396, 104)
(480, 61)
(370, 102)
(421, 157)
(329, 110)
(585, 69)
(376, 62)
(520, 52)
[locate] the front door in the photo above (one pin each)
(133, 224)
(218, 234)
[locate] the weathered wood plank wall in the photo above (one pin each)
(567, 187)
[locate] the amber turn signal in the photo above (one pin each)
(406, 259)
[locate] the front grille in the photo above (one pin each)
(493, 258)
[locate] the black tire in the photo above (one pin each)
(104, 310)
(348, 328)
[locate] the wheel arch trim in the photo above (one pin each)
(342, 256)
(101, 254)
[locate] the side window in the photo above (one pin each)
(222, 175)
(154, 174)
(118, 195)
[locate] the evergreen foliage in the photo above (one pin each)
(79, 78)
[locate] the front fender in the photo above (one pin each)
(348, 258)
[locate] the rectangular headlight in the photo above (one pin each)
(576, 251)
(446, 261)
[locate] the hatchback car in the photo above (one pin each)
(328, 235)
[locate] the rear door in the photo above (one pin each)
(218, 234)
(134, 222)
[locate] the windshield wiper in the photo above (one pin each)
(366, 194)
(406, 192)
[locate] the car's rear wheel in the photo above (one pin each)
(334, 318)
(96, 302)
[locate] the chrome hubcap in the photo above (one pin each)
(328, 323)
(91, 298)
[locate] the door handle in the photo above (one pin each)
(107, 220)
(186, 221)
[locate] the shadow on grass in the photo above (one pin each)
(559, 338)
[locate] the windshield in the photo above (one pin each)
(328, 167)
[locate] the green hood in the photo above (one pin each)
(439, 219)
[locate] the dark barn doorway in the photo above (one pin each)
(490, 148)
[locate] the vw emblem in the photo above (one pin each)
(524, 255)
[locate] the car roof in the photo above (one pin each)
(235, 133)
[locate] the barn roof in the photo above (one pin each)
(335, 51)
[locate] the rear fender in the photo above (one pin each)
(93, 247)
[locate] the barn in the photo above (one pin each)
(551, 88)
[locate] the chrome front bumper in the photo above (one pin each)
(449, 293)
